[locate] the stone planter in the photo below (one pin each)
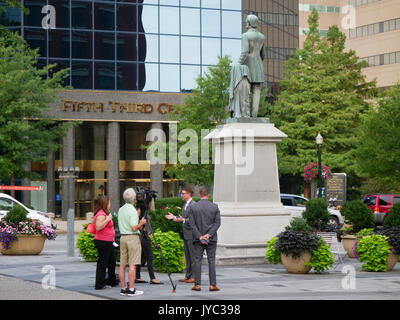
(392, 260)
(348, 243)
(296, 265)
(26, 245)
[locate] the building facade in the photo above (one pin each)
(372, 28)
(130, 63)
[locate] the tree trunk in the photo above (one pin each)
(12, 184)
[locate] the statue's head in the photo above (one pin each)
(252, 21)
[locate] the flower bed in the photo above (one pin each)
(10, 232)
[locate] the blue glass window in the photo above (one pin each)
(104, 16)
(190, 22)
(169, 49)
(189, 74)
(231, 24)
(169, 20)
(126, 46)
(81, 15)
(81, 43)
(211, 49)
(104, 46)
(190, 50)
(126, 18)
(37, 38)
(59, 43)
(211, 23)
(104, 75)
(151, 48)
(126, 76)
(150, 19)
(211, 4)
(232, 4)
(35, 16)
(169, 78)
(151, 77)
(81, 75)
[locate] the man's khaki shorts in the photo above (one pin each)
(130, 250)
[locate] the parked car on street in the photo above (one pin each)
(380, 204)
(7, 203)
(297, 204)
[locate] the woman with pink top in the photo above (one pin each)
(103, 240)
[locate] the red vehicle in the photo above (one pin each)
(380, 204)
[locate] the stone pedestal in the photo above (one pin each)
(246, 189)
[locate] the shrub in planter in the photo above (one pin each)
(374, 251)
(15, 225)
(86, 246)
(16, 215)
(393, 233)
(322, 257)
(172, 248)
(393, 217)
(316, 213)
(296, 243)
(272, 255)
(358, 215)
(365, 232)
(298, 224)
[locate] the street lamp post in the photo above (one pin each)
(319, 139)
(69, 174)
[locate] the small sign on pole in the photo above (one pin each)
(336, 188)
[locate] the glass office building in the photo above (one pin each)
(143, 45)
(130, 63)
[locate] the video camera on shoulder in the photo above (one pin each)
(144, 197)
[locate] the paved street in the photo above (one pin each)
(74, 279)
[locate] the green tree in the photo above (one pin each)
(204, 109)
(11, 4)
(27, 133)
(378, 153)
(323, 90)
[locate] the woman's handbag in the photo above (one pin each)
(91, 228)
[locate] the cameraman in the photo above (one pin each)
(147, 252)
(130, 247)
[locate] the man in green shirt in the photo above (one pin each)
(130, 247)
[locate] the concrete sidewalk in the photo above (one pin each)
(74, 279)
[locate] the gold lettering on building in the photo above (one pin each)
(116, 106)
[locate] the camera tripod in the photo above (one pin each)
(149, 231)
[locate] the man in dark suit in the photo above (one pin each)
(205, 220)
(187, 193)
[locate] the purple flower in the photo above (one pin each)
(355, 250)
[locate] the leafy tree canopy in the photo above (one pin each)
(27, 133)
(202, 110)
(378, 153)
(323, 90)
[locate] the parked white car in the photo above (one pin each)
(7, 203)
(297, 204)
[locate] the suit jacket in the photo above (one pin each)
(186, 227)
(205, 219)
